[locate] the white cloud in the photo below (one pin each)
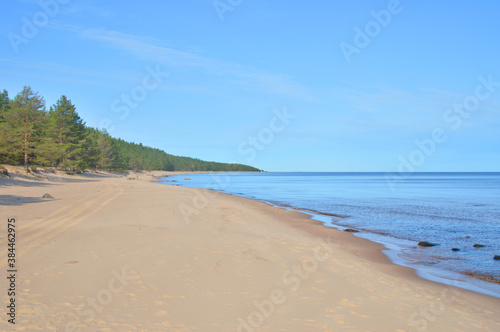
(159, 51)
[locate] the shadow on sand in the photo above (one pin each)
(12, 182)
(12, 200)
(48, 179)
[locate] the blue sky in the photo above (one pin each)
(281, 85)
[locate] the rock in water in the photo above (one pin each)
(47, 196)
(427, 244)
(497, 258)
(479, 245)
(187, 179)
(455, 249)
(350, 230)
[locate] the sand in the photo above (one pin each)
(111, 254)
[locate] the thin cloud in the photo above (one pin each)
(151, 49)
(384, 108)
(60, 72)
(379, 100)
(53, 67)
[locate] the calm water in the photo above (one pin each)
(443, 208)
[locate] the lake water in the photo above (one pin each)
(454, 210)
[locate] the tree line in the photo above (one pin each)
(31, 135)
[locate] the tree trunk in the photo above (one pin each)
(26, 152)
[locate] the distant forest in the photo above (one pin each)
(32, 136)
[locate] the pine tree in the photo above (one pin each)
(4, 108)
(24, 123)
(106, 149)
(135, 164)
(4, 105)
(92, 152)
(67, 133)
(59, 138)
(48, 153)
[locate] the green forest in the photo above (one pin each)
(31, 135)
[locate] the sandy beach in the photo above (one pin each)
(115, 254)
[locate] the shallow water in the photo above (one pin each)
(442, 208)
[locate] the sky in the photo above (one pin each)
(387, 86)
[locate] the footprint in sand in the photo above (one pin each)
(53, 274)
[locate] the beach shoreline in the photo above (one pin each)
(401, 251)
(267, 268)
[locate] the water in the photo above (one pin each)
(443, 208)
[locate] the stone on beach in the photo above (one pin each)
(350, 230)
(132, 176)
(47, 196)
(427, 244)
